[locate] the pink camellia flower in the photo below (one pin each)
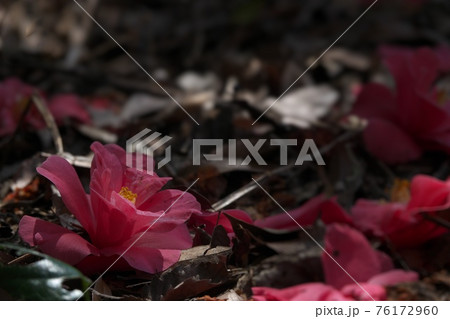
(373, 270)
(123, 202)
(319, 207)
(402, 223)
(414, 118)
(12, 94)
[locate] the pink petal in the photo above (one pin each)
(351, 250)
(375, 101)
(63, 175)
(115, 220)
(307, 214)
(424, 68)
(415, 72)
(178, 206)
(429, 193)
(143, 185)
(106, 171)
(147, 162)
(12, 92)
(393, 277)
(378, 218)
(418, 67)
(55, 240)
(332, 212)
(426, 119)
(354, 292)
(154, 251)
(64, 106)
(118, 219)
(395, 223)
(303, 292)
(150, 260)
(389, 142)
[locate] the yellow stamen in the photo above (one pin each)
(127, 194)
(400, 191)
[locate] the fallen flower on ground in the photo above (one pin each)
(13, 94)
(122, 204)
(319, 207)
(372, 269)
(412, 119)
(402, 223)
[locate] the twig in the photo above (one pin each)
(49, 121)
(437, 220)
(96, 133)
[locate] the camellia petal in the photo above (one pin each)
(375, 101)
(351, 250)
(106, 171)
(304, 292)
(155, 251)
(318, 207)
(389, 143)
(402, 224)
(55, 240)
(393, 277)
(68, 106)
(178, 206)
(379, 218)
(429, 193)
(63, 175)
(366, 293)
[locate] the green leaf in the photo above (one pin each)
(45, 279)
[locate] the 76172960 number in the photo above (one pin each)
(407, 310)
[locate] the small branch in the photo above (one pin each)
(49, 121)
(437, 220)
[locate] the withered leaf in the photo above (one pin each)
(189, 278)
(219, 237)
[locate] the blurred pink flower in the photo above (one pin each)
(12, 94)
(402, 222)
(414, 118)
(123, 202)
(371, 268)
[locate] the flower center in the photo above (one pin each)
(127, 194)
(400, 191)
